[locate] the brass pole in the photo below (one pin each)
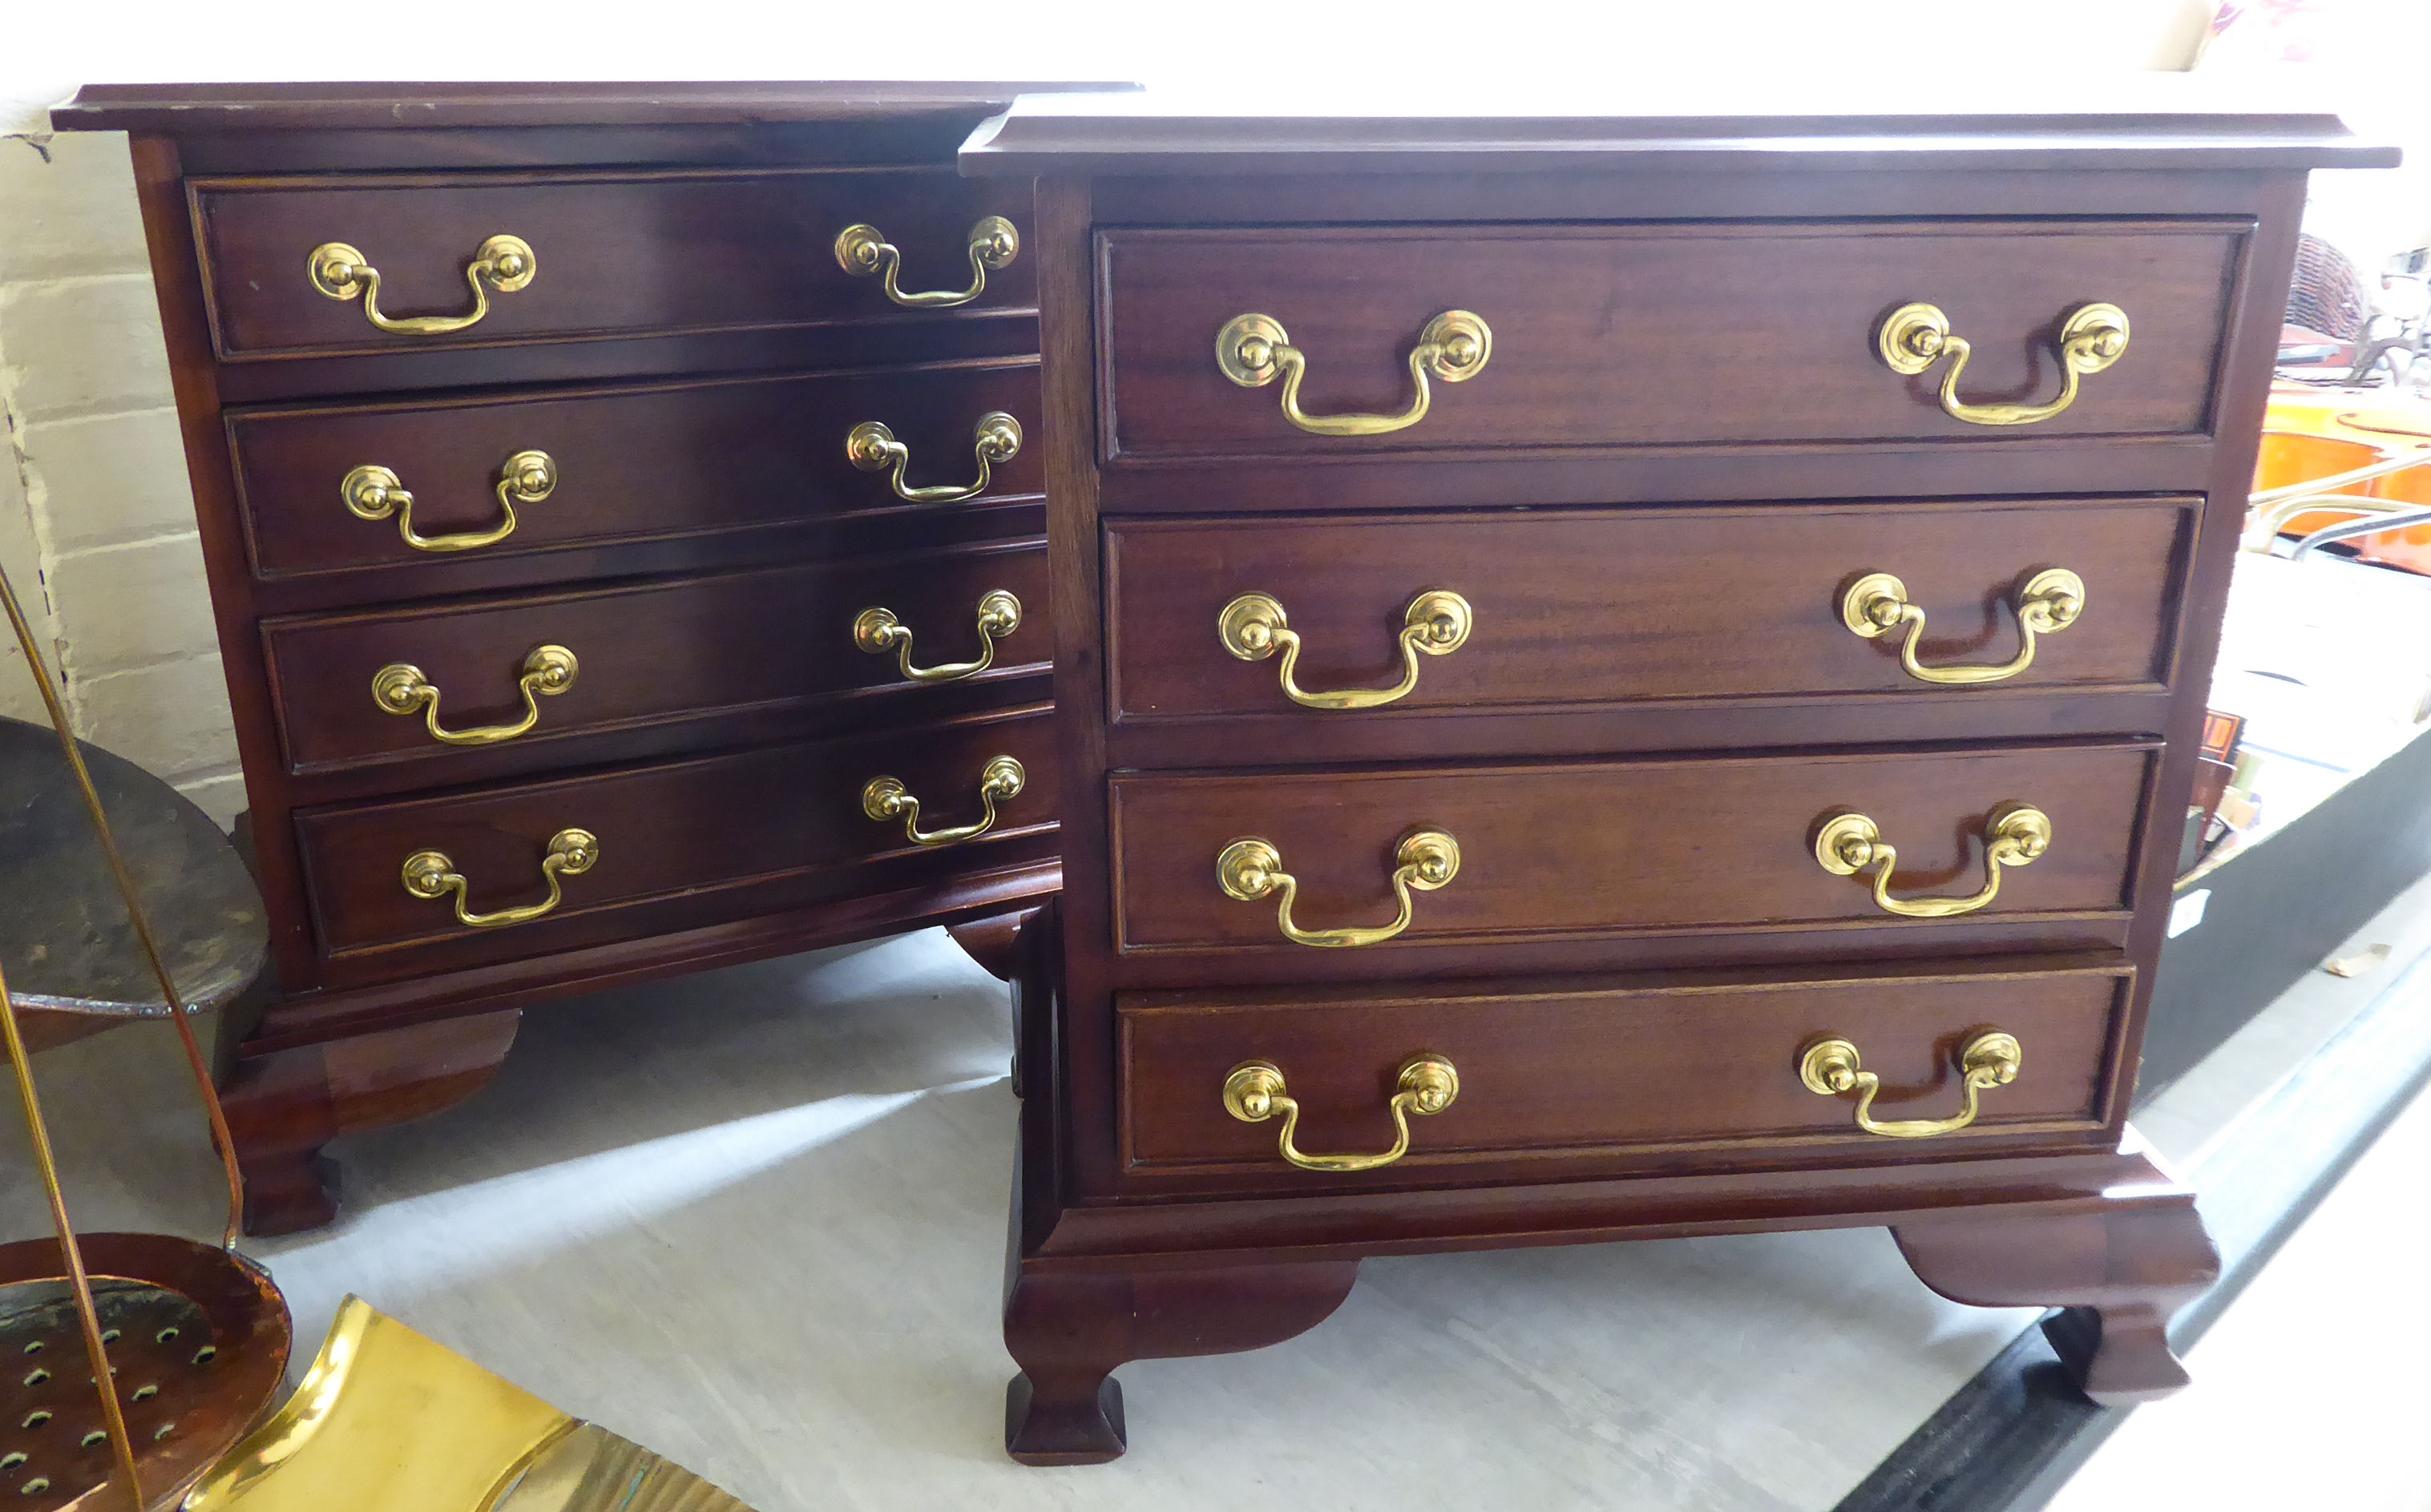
(95, 1350)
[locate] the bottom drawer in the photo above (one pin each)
(1693, 1064)
(544, 866)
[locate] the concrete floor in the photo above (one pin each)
(754, 1220)
(2309, 1389)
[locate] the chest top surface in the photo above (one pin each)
(2136, 121)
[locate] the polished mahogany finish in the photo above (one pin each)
(693, 647)
(1611, 336)
(689, 357)
(1553, 1071)
(741, 455)
(1682, 451)
(1594, 848)
(725, 836)
(724, 250)
(1585, 609)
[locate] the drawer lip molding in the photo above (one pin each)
(665, 831)
(1594, 849)
(689, 649)
(1587, 609)
(638, 463)
(1625, 334)
(1698, 1069)
(731, 249)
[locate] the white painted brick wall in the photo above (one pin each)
(97, 521)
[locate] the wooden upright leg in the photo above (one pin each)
(989, 941)
(2122, 1272)
(1068, 1331)
(283, 1106)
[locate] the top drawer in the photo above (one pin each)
(609, 255)
(1654, 334)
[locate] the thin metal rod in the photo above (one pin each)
(2266, 523)
(126, 880)
(95, 1350)
(2369, 526)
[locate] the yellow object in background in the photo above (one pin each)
(2312, 434)
(387, 1420)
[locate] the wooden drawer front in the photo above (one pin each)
(614, 254)
(1697, 1064)
(1584, 608)
(1656, 334)
(685, 648)
(632, 464)
(679, 830)
(1576, 849)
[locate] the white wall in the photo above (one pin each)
(96, 524)
(94, 517)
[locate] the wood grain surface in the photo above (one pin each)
(652, 652)
(614, 253)
(1633, 335)
(637, 465)
(682, 830)
(1567, 849)
(1644, 606)
(1707, 1072)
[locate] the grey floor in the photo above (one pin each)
(755, 1221)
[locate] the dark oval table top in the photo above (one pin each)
(65, 940)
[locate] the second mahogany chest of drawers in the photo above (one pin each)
(622, 508)
(1619, 676)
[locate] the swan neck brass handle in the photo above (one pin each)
(1253, 628)
(885, 798)
(504, 263)
(399, 687)
(1915, 337)
(1252, 869)
(1253, 1092)
(1847, 845)
(372, 492)
(874, 449)
(879, 631)
(863, 253)
(1830, 1067)
(2046, 602)
(1254, 350)
(571, 852)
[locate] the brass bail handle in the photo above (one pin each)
(878, 631)
(1253, 1092)
(400, 687)
(2046, 602)
(431, 875)
(373, 492)
(862, 251)
(1915, 337)
(1251, 869)
(1830, 1067)
(1847, 845)
(505, 263)
(1254, 350)
(885, 798)
(873, 448)
(1252, 627)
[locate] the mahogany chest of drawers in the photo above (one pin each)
(1618, 677)
(622, 509)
